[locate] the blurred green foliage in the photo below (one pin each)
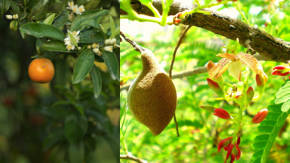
(58, 122)
(199, 130)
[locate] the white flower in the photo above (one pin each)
(80, 10)
(95, 45)
(97, 51)
(110, 41)
(70, 47)
(109, 48)
(9, 17)
(70, 5)
(75, 8)
(72, 39)
(15, 16)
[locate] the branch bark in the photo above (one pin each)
(256, 40)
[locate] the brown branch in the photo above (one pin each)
(133, 158)
(177, 75)
(259, 41)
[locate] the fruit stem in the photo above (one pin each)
(176, 125)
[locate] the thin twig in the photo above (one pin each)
(133, 43)
(171, 67)
(133, 158)
(182, 74)
(175, 50)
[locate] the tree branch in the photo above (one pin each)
(177, 75)
(133, 158)
(259, 41)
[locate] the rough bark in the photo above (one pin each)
(252, 38)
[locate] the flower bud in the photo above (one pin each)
(221, 113)
(260, 116)
(250, 94)
(214, 85)
(259, 80)
(225, 142)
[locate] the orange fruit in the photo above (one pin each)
(41, 70)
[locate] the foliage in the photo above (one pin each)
(75, 117)
(267, 132)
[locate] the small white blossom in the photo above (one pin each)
(9, 17)
(109, 48)
(72, 39)
(70, 47)
(70, 5)
(89, 46)
(15, 16)
(97, 51)
(110, 41)
(75, 8)
(95, 45)
(80, 10)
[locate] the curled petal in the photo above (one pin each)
(279, 67)
(224, 143)
(279, 73)
(232, 158)
(229, 151)
(238, 154)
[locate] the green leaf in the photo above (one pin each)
(49, 19)
(97, 81)
(42, 31)
(51, 46)
(76, 152)
(145, 2)
(83, 66)
(4, 5)
(75, 128)
(53, 138)
(267, 133)
(283, 94)
(112, 63)
(286, 106)
(89, 19)
(91, 36)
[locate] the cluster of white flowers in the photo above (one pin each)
(75, 8)
(72, 39)
(95, 47)
(110, 43)
(109, 46)
(10, 17)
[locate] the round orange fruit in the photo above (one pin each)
(41, 70)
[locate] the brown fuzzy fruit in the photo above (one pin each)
(152, 96)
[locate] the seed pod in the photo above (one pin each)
(152, 96)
